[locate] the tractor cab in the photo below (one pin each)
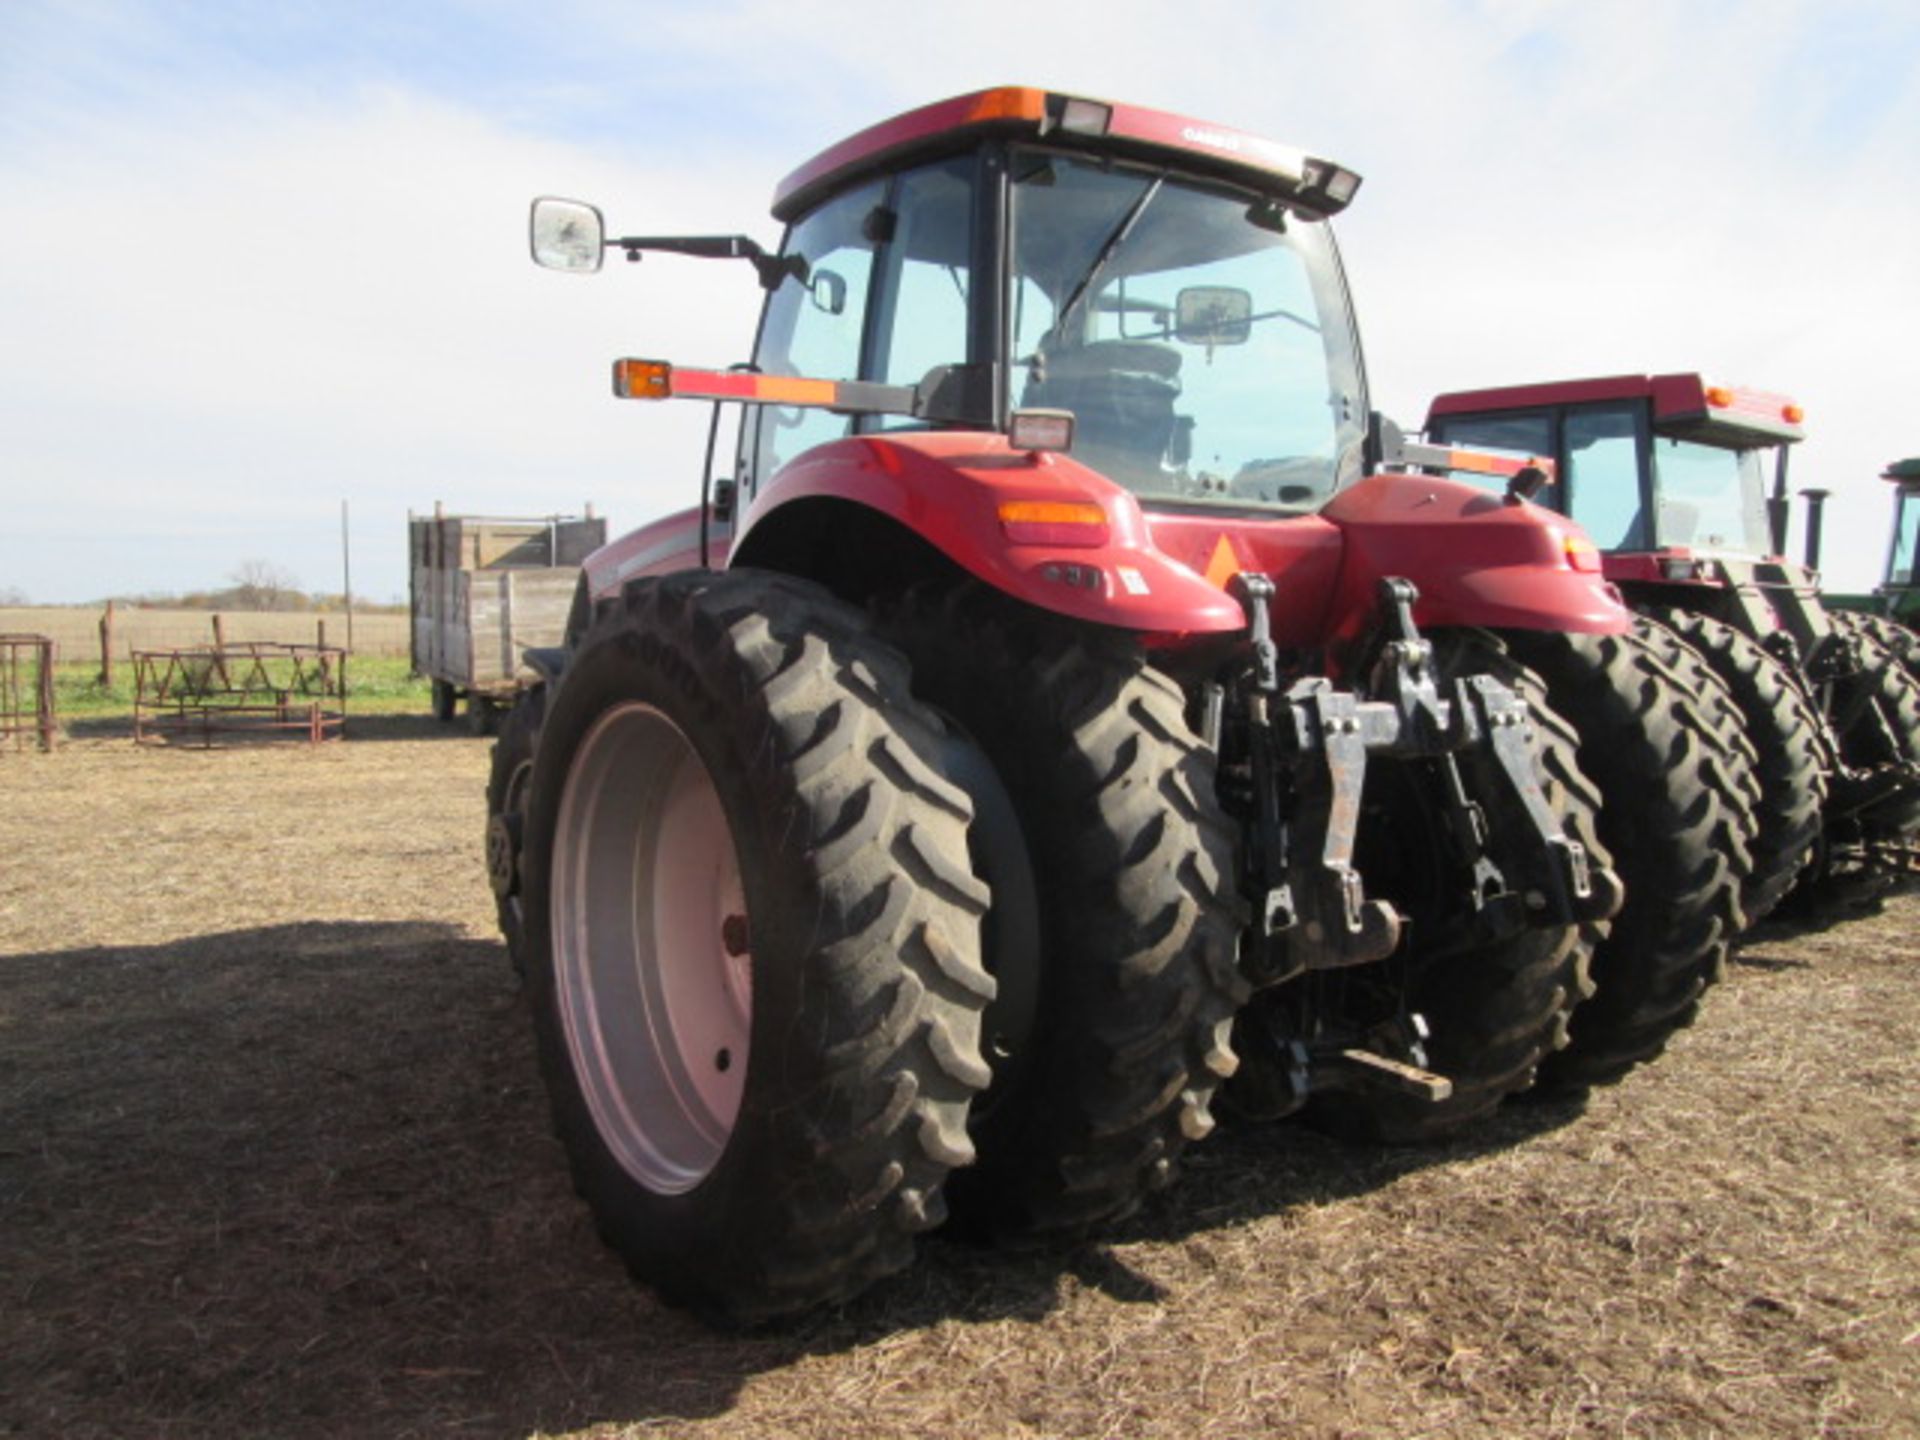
(1172, 289)
(1670, 476)
(1663, 464)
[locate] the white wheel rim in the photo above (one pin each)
(652, 971)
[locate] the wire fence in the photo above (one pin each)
(76, 630)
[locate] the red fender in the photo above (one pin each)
(1477, 559)
(950, 486)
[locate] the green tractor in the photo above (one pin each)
(1897, 598)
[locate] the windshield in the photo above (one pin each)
(1710, 498)
(1906, 522)
(1199, 336)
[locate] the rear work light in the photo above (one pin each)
(1041, 430)
(1085, 117)
(1076, 524)
(1686, 567)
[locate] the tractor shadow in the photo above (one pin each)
(299, 1180)
(1244, 1173)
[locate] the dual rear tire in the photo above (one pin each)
(749, 908)
(1677, 816)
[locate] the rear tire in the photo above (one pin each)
(753, 944)
(1673, 814)
(1779, 717)
(1900, 642)
(1876, 711)
(1138, 918)
(1495, 1010)
(509, 779)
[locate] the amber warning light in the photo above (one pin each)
(1075, 523)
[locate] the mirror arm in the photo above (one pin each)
(772, 269)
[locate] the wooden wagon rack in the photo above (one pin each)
(257, 687)
(26, 690)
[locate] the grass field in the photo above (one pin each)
(376, 685)
(274, 1162)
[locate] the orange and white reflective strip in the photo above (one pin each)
(1474, 462)
(1487, 462)
(660, 380)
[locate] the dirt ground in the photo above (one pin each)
(274, 1161)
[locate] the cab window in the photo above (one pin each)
(921, 316)
(885, 298)
(1529, 434)
(1603, 475)
(815, 326)
(1906, 526)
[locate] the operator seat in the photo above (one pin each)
(1121, 393)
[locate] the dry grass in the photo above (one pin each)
(273, 1160)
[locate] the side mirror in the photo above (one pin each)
(1213, 315)
(828, 292)
(567, 235)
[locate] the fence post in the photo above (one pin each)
(48, 657)
(106, 648)
(220, 649)
(320, 632)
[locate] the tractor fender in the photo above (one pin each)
(1477, 559)
(667, 545)
(951, 489)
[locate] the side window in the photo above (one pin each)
(923, 317)
(1906, 528)
(814, 328)
(1603, 476)
(1531, 434)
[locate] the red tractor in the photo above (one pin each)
(1670, 475)
(1054, 710)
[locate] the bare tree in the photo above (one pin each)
(262, 585)
(13, 595)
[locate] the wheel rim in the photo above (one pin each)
(652, 965)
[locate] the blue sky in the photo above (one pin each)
(258, 259)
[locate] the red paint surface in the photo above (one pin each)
(1675, 398)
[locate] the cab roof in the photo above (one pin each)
(1681, 403)
(1318, 186)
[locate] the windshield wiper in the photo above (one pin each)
(1105, 255)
